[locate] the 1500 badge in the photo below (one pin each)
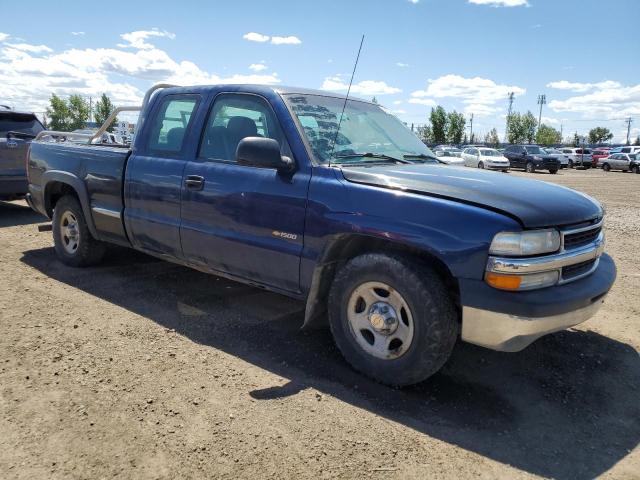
(288, 236)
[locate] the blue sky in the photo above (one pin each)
(462, 54)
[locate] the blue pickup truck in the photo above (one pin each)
(346, 210)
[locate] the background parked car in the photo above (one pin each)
(531, 158)
(597, 155)
(562, 158)
(622, 161)
(483, 157)
(449, 148)
(449, 157)
(17, 129)
(578, 157)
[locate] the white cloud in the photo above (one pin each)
(423, 101)
(365, 87)
(582, 87)
(398, 112)
(290, 40)
(256, 37)
(501, 3)
(481, 110)
(550, 121)
(25, 47)
(275, 40)
(609, 99)
(30, 74)
(414, 1)
(397, 102)
(137, 39)
(77, 34)
(3, 36)
(402, 65)
(474, 90)
(257, 67)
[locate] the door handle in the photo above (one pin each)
(194, 182)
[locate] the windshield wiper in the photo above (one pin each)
(377, 156)
(421, 156)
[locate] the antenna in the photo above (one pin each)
(344, 105)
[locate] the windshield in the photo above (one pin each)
(534, 150)
(19, 122)
(365, 128)
(488, 152)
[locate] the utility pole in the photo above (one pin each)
(542, 99)
(471, 132)
(90, 109)
(628, 120)
(506, 133)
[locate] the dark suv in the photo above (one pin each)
(17, 129)
(531, 158)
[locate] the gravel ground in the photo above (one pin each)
(143, 369)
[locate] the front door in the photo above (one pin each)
(245, 221)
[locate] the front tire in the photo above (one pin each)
(570, 163)
(530, 167)
(606, 167)
(392, 320)
(553, 171)
(635, 169)
(72, 240)
(481, 165)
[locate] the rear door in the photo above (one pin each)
(245, 221)
(153, 186)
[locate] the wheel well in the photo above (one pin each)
(54, 192)
(344, 249)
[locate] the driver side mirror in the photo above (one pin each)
(262, 152)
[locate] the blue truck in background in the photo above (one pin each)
(334, 202)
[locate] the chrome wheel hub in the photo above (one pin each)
(69, 232)
(380, 320)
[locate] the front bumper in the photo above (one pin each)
(498, 166)
(510, 321)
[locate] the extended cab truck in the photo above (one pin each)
(400, 255)
(17, 129)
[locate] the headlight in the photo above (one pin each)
(521, 244)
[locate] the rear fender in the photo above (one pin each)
(52, 177)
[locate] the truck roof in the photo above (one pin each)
(260, 89)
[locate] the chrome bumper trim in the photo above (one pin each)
(511, 333)
(547, 262)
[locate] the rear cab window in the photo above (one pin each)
(171, 124)
(19, 122)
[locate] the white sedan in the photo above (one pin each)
(449, 157)
(479, 157)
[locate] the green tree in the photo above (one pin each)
(438, 119)
(58, 114)
(529, 124)
(516, 132)
(455, 127)
(78, 112)
(104, 108)
(374, 100)
(547, 135)
(637, 142)
(425, 134)
(492, 138)
(599, 135)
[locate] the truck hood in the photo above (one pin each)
(534, 203)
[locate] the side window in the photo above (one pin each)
(236, 116)
(626, 150)
(171, 123)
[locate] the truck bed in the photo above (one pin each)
(97, 173)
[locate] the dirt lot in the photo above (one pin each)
(143, 369)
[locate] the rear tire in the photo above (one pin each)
(635, 169)
(606, 167)
(413, 336)
(481, 165)
(553, 171)
(73, 242)
(530, 167)
(570, 163)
